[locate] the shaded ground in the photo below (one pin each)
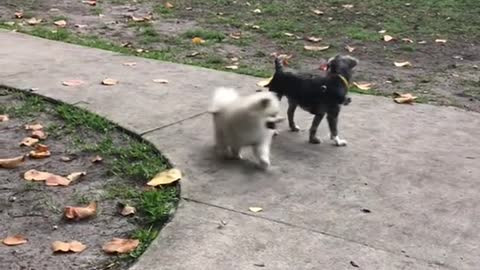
(35, 210)
(441, 73)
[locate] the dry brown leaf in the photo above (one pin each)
(317, 12)
(109, 81)
(34, 175)
(34, 21)
(75, 176)
(314, 39)
(78, 213)
(39, 134)
(28, 141)
(4, 118)
(264, 83)
(73, 82)
(404, 98)
(60, 23)
(118, 245)
(163, 81)
(440, 40)
(57, 180)
(168, 5)
(9, 163)
(233, 67)
(402, 64)
(130, 64)
(198, 40)
(41, 151)
(316, 48)
(73, 246)
(90, 2)
(96, 159)
(34, 127)
(387, 38)
(128, 210)
(166, 177)
(255, 209)
(18, 15)
(407, 40)
(349, 49)
(14, 240)
(363, 85)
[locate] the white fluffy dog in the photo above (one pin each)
(244, 121)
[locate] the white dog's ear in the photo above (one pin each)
(264, 102)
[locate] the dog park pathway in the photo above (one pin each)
(403, 194)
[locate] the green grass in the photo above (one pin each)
(156, 206)
(30, 106)
(206, 34)
(78, 118)
(145, 236)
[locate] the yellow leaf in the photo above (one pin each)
(382, 31)
(347, 6)
(41, 151)
(39, 134)
(265, 82)
(109, 81)
(197, 40)
(57, 180)
(363, 85)
(316, 48)
(402, 64)
(255, 26)
(14, 240)
(257, 11)
(233, 67)
(75, 176)
(10, 163)
(166, 177)
(288, 34)
(404, 98)
(255, 209)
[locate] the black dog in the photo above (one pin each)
(315, 93)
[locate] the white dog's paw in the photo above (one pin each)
(264, 164)
(339, 142)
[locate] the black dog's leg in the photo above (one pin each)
(292, 106)
(313, 129)
(332, 118)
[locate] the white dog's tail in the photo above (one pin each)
(221, 98)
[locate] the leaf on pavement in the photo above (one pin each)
(73, 246)
(73, 82)
(109, 81)
(255, 209)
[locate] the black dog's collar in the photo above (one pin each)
(345, 81)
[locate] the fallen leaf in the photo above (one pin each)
(57, 180)
(234, 59)
(90, 2)
(75, 176)
(130, 64)
(78, 213)
(387, 38)
(73, 82)
(4, 118)
(255, 209)
(34, 127)
(166, 177)
(73, 246)
(193, 54)
(382, 31)
(160, 81)
(118, 245)
(96, 159)
(109, 81)
(233, 67)
(317, 12)
(314, 39)
(10, 24)
(349, 49)
(34, 21)
(34, 175)
(9, 163)
(440, 40)
(363, 85)
(66, 159)
(407, 40)
(422, 42)
(265, 82)
(257, 11)
(128, 210)
(255, 26)
(39, 134)
(316, 48)
(41, 151)
(198, 40)
(80, 26)
(28, 141)
(137, 19)
(18, 15)
(404, 98)
(60, 23)
(14, 240)
(168, 5)
(288, 34)
(347, 6)
(235, 35)
(402, 64)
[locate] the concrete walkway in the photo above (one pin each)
(416, 168)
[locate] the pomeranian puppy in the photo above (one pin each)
(241, 121)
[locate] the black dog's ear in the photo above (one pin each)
(352, 62)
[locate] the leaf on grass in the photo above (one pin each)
(387, 38)
(130, 64)
(163, 81)
(314, 39)
(316, 48)
(14, 240)
(440, 40)
(128, 210)
(422, 42)
(9, 163)
(404, 98)
(28, 141)
(198, 40)
(407, 40)
(382, 31)
(256, 26)
(402, 64)
(41, 151)
(73, 246)
(363, 85)
(34, 175)
(233, 67)
(193, 54)
(264, 83)
(317, 12)
(257, 11)
(166, 177)
(288, 34)
(75, 176)
(34, 127)
(96, 159)
(347, 6)
(18, 15)
(255, 209)
(78, 213)
(39, 134)
(34, 21)
(122, 246)
(235, 35)
(109, 81)
(60, 23)
(349, 49)
(73, 82)
(57, 180)
(168, 5)
(4, 118)
(138, 19)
